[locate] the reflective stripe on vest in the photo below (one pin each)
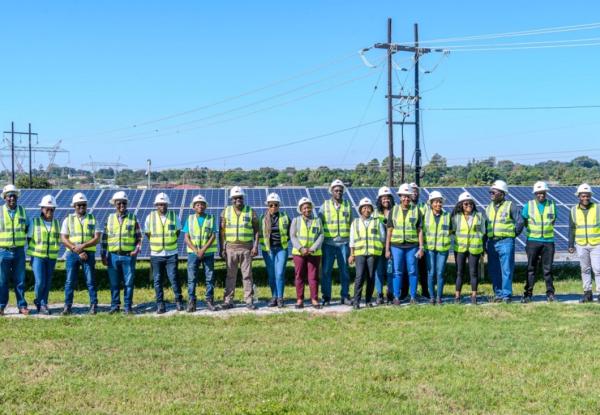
(336, 222)
(367, 239)
(44, 243)
(120, 236)
(13, 230)
(81, 231)
(284, 221)
(500, 224)
(163, 236)
(238, 228)
(436, 235)
(587, 227)
(405, 227)
(469, 238)
(199, 235)
(541, 225)
(308, 236)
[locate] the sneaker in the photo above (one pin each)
(251, 306)
(526, 299)
(550, 298)
(24, 311)
(179, 306)
(44, 310)
(67, 311)
(114, 310)
(396, 301)
(160, 309)
(93, 309)
(191, 306)
(280, 303)
(272, 303)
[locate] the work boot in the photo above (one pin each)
(210, 305)
(280, 303)
(179, 305)
(550, 298)
(160, 308)
(93, 309)
(587, 297)
(326, 302)
(44, 310)
(272, 303)
(67, 311)
(191, 307)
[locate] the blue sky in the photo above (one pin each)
(88, 72)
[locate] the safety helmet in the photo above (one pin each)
(435, 195)
(584, 188)
(500, 185)
(335, 183)
(120, 195)
(273, 198)
(465, 196)
(413, 185)
(10, 188)
(405, 190)
(302, 201)
(540, 187)
(78, 198)
(48, 201)
(365, 201)
(384, 191)
(198, 198)
(236, 191)
(162, 198)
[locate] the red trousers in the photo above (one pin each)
(307, 267)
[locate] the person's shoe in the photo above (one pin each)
(457, 300)
(160, 309)
(396, 301)
(128, 311)
(299, 305)
(346, 301)
(227, 306)
(316, 305)
(93, 309)
(191, 306)
(390, 298)
(439, 301)
(37, 308)
(280, 303)
(272, 303)
(432, 301)
(179, 306)
(326, 302)
(114, 310)
(1, 311)
(356, 306)
(587, 297)
(497, 299)
(507, 300)
(24, 311)
(210, 305)
(251, 306)
(473, 299)
(369, 304)
(526, 299)
(412, 301)
(67, 311)
(44, 310)
(379, 300)
(550, 298)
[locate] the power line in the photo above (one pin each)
(534, 43)
(475, 49)
(524, 108)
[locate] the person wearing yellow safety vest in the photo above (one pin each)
(239, 244)
(436, 238)
(504, 224)
(121, 243)
(367, 239)
(336, 216)
(162, 228)
(200, 230)
(80, 233)
(404, 242)
(384, 275)
(306, 236)
(539, 216)
(13, 233)
(469, 227)
(584, 237)
(43, 242)
(274, 237)
(421, 262)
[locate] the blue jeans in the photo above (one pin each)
(192, 280)
(121, 267)
(330, 254)
(384, 273)
(404, 260)
(275, 261)
(160, 266)
(436, 265)
(501, 265)
(12, 268)
(43, 269)
(73, 263)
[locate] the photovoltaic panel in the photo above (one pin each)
(255, 197)
(361, 192)
(134, 196)
(481, 194)
(289, 195)
(214, 197)
(318, 195)
(450, 195)
(521, 194)
(175, 196)
(564, 194)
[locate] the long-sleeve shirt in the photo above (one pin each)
(382, 231)
(138, 234)
(540, 207)
(295, 229)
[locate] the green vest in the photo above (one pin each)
(587, 227)
(81, 231)
(405, 227)
(238, 228)
(44, 243)
(308, 236)
(500, 224)
(436, 235)
(120, 236)
(367, 239)
(468, 238)
(13, 230)
(199, 235)
(541, 225)
(336, 222)
(163, 236)
(284, 221)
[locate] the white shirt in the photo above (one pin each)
(64, 229)
(163, 219)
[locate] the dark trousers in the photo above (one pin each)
(307, 268)
(536, 251)
(422, 271)
(366, 265)
(162, 265)
(461, 259)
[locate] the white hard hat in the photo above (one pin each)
(413, 185)
(365, 201)
(48, 201)
(465, 196)
(435, 195)
(303, 201)
(78, 198)
(273, 197)
(540, 187)
(120, 195)
(198, 198)
(584, 188)
(384, 191)
(162, 198)
(236, 191)
(500, 185)
(10, 188)
(335, 183)
(405, 190)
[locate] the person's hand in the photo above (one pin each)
(254, 251)
(135, 252)
(420, 253)
(351, 260)
(571, 250)
(222, 254)
(83, 256)
(104, 261)
(388, 254)
(200, 253)
(77, 249)
(303, 251)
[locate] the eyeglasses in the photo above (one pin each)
(121, 202)
(78, 205)
(468, 204)
(273, 205)
(237, 198)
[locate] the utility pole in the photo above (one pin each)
(12, 149)
(417, 114)
(30, 175)
(148, 171)
(21, 149)
(390, 121)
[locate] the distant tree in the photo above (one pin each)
(37, 182)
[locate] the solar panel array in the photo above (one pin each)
(141, 203)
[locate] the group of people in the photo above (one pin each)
(397, 246)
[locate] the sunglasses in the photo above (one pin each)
(273, 205)
(120, 202)
(78, 205)
(237, 198)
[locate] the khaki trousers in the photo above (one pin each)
(238, 257)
